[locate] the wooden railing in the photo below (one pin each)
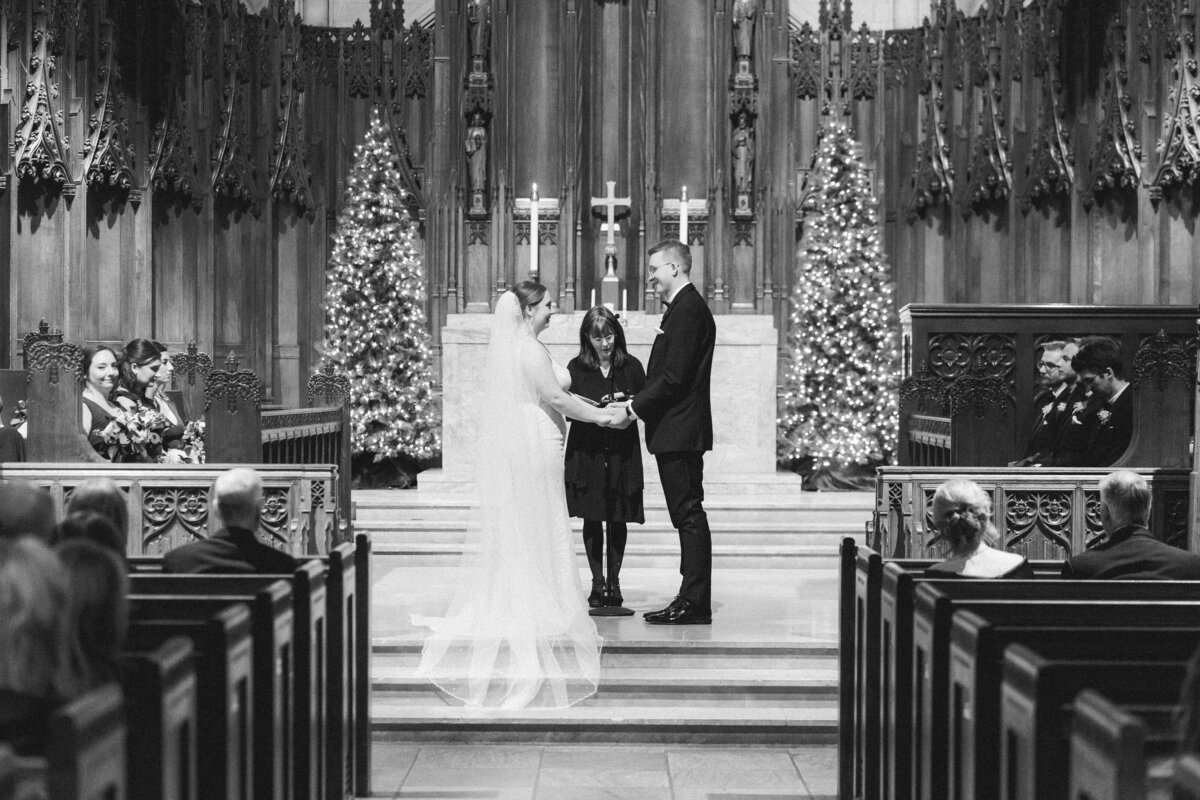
(930, 440)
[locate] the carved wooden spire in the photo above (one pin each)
(108, 154)
(989, 176)
(933, 178)
(42, 150)
(233, 172)
(1051, 169)
(1179, 149)
(1116, 158)
(290, 178)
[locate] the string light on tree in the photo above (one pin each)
(375, 323)
(839, 404)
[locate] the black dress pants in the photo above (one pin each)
(682, 476)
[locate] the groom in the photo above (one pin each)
(674, 404)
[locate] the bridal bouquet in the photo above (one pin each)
(135, 436)
(192, 451)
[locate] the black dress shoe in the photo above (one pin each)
(662, 612)
(596, 598)
(685, 613)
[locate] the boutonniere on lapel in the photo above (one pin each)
(1104, 415)
(1062, 406)
(1046, 409)
(1079, 406)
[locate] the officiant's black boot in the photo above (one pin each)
(593, 546)
(616, 554)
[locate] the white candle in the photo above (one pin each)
(592, 303)
(533, 233)
(623, 298)
(683, 209)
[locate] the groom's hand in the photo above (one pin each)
(621, 418)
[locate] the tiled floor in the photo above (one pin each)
(592, 772)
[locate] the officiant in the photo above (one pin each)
(603, 470)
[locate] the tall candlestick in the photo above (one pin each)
(623, 299)
(533, 233)
(683, 209)
(592, 303)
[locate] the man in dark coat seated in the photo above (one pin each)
(1098, 365)
(1129, 551)
(1052, 405)
(237, 495)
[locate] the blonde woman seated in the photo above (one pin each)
(962, 514)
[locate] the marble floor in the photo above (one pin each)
(611, 772)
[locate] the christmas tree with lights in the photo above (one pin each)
(375, 330)
(839, 405)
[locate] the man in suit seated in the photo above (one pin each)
(1098, 365)
(1129, 551)
(12, 443)
(237, 496)
(1052, 405)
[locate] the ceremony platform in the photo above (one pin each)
(764, 673)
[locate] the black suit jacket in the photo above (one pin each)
(1111, 432)
(675, 402)
(1070, 449)
(1048, 423)
(229, 551)
(1133, 553)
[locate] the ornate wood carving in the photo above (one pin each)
(1093, 527)
(108, 153)
(1047, 514)
(806, 63)
(41, 147)
(330, 387)
(1179, 146)
(192, 364)
(233, 171)
(933, 178)
(1175, 512)
(901, 56)
(65, 29)
(323, 50)
(49, 353)
(173, 162)
(1115, 162)
(954, 355)
(478, 232)
(864, 62)
(1163, 359)
(921, 385)
(195, 35)
(165, 508)
(356, 50)
(1051, 168)
(417, 60)
(232, 384)
(290, 177)
(979, 391)
(1155, 21)
(989, 176)
(257, 38)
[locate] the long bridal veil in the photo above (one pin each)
(517, 631)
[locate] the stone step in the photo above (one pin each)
(400, 655)
(655, 556)
(715, 481)
(684, 723)
(657, 532)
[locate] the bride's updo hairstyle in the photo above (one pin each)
(138, 353)
(970, 515)
(529, 294)
(600, 322)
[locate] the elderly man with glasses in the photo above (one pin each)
(1053, 405)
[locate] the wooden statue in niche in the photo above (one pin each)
(479, 20)
(743, 32)
(743, 160)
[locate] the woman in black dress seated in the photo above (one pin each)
(173, 435)
(962, 514)
(99, 370)
(138, 386)
(604, 465)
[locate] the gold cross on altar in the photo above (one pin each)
(610, 203)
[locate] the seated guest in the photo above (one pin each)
(92, 527)
(12, 443)
(97, 613)
(99, 370)
(1051, 407)
(102, 496)
(1129, 550)
(1098, 365)
(138, 375)
(237, 496)
(962, 514)
(25, 510)
(33, 598)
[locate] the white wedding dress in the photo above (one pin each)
(517, 632)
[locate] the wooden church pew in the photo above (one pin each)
(305, 705)
(85, 756)
(1185, 780)
(225, 693)
(271, 622)
(9, 772)
(938, 600)
(1037, 693)
(1113, 748)
(976, 661)
(347, 654)
(160, 721)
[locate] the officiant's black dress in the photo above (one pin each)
(603, 469)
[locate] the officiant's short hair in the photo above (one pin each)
(680, 251)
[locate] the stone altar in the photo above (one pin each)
(743, 391)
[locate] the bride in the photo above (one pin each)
(517, 632)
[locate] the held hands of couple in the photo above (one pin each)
(621, 418)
